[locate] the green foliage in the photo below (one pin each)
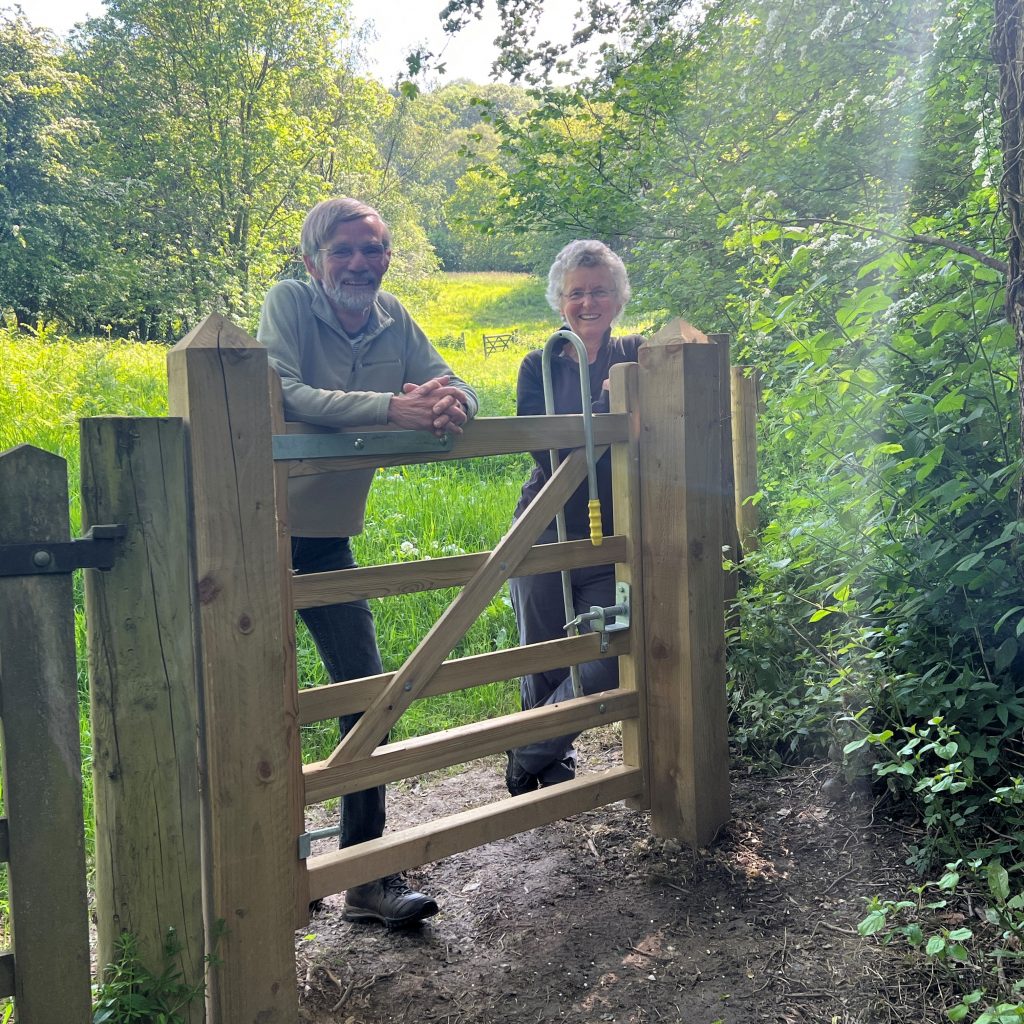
(130, 993)
(44, 237)
(970, 957)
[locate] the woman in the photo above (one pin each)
(588, 288)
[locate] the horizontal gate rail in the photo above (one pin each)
(334, 699)
(487, 436)
(411, 757)
(421, 844)
(501, 563)
(321, 588)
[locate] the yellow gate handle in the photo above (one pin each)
(596, 535)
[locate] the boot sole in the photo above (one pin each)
(391, 923)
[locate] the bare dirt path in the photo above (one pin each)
(595, 919)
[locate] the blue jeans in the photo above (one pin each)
(540, 615)
(345, 637)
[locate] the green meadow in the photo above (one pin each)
(50, 381)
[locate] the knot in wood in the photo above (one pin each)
(208, 589)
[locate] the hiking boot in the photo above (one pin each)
(388, 900)
(558, 771)
(517, 779)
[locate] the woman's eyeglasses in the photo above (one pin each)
(596, 294)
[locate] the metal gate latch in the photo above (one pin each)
(96, 550)
(607, 620)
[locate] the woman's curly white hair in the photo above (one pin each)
(586, 252)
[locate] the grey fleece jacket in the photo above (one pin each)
(333, 380)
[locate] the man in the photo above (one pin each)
(349, 355)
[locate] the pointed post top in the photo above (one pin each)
(217, 332)
(676, 331)
(29, 455)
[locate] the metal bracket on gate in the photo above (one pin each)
(374, 442)
(607, 620)
(306, 839)
(96, 550)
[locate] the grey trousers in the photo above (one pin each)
(540, 615)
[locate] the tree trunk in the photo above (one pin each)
(1008, 49)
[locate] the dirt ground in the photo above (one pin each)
(595, 919)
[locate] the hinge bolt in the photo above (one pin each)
(42, 559)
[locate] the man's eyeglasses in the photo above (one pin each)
(597, 294)
(343, 253)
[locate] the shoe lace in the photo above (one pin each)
(395, 884)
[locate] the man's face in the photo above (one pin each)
(352, 262)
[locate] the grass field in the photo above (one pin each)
(50, 382)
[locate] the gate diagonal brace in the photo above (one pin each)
(606, 620)
(96, 550)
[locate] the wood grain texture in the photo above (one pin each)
(744, 414)
(218, 385)
(409, 681)
(315, 589)
(334, 699)
(730, 532)
(625, 398)
(42, 757)
(406, 759)
(143, 690)
(684, 621)
(421, 844)
(483, 436)
(290, 678)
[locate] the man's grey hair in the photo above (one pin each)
(322, 221)
(586, 252)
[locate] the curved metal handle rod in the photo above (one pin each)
(555, 342)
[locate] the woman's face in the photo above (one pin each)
(589, 302)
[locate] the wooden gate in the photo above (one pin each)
(42, 836)
(666, 431)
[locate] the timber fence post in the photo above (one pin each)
(730, 532)
(143, 690)
(745, 388)
(624, 398)
(218, 384)
(681, 496)
(42, 771)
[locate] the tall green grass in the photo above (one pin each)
(49, 382)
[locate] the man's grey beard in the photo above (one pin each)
(353, 297)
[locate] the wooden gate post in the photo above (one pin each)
(744, 415)
(42, 752)
(681, 508)
(218, 385)
(143, 689)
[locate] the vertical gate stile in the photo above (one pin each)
(730, 532)
(218, 384)
(42, 769)
(744, 414)
(681, 492)
(143, 695)
(296, 785)
(626, 505)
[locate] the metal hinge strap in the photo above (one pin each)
(96, 550)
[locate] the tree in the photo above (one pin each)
(45, 233)
(1008, 47)
(220, 123)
